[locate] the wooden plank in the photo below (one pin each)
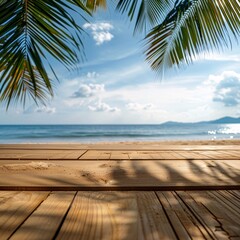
(180, 220)
(228, 220)
(154, 221)
(162, 155)
(220, 199)
(114, 155)
(200, 155)
(45, 220)
(91, 155)
(16, 209)
(40, 154)
(227, 154)
(44, 146)
(229, 198)
(101, 215)
(212, 227)
(120, 155)
(165, 173)
(231, 154)
(104, 155)
(5, 195)
(73, 154)
(192, 155)
(216, 154)
(137, 155)
(177, 156)
(135, 146)
(186, 155)
(235, 193)
(236, 152)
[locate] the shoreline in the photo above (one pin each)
(159, 142)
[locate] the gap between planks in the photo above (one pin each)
(125, 215)
(120, 188)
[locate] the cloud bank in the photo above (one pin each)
(100, 31)
(88, 90)
(227, 88)
(102, 107)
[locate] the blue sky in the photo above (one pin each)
(116, 86)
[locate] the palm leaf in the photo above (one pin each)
(145, 13)
(31, 33)
(93, 5)
(190, 28)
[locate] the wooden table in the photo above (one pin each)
(55, 191)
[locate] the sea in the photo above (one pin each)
(116, 133)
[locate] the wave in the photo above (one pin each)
(35, 133)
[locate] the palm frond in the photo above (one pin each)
(31, 32)
(190, 28)
(93, 5)
(145, 13)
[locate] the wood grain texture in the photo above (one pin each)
(228, 219)
(34, 154)
(99, 215)
(15, 208)
(154, 222)
(173, 214)
(134, 146)
(45, 220)
(119, 215)
(107, 173)
(203, 216)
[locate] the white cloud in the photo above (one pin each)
(88, 90)
(226, 88)
(139, 107)
(73, 102)
(221, 57)
(43, 109)
(92, 75)
(49, 110)
(103, 107)
(100, 26)
(100, 31)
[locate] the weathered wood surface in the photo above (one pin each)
(120, 215)
(132, 146)
(45, 220)
(177, 153)
(36, 154)
(85, 174)
(160, 155)
(200, 166)
(15, 207)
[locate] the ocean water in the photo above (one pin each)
(116, 133)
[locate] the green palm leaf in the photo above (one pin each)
(145, 13)
(31, 33)
(93, 5)
(190, 28)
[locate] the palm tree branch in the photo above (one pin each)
(191, 27)
(145, 13)
(31, 32)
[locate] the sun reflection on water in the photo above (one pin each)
(230, 129)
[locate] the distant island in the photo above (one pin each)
(223, 120)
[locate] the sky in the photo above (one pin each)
(116, 86)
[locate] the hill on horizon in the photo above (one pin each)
(223, 120)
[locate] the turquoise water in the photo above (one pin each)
(110, 133)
